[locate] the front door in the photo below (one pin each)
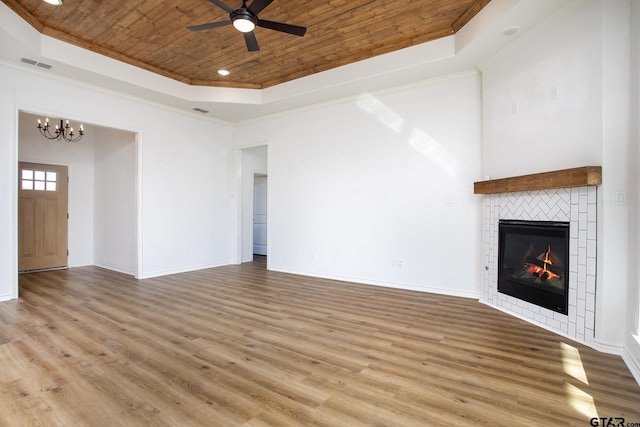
(42, 216)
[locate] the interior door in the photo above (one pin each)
(260, 215)
(42, 216)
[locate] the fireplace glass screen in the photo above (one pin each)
(533, 261)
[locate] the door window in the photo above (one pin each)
(38, 180)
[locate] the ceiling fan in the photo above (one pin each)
(246, 19)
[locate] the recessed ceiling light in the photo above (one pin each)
(223, 72)
(54, 2)
(509, 31)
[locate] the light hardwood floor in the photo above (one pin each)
(243, 346)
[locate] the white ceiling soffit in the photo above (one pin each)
(479, 39)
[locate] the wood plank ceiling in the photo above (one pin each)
(152, 34)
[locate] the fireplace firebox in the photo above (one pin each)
(533, 260)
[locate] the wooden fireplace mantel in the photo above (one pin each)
(576, 177)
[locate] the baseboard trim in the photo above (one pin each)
(107, 266)
(382, 283)
(632, 363)
(149, 275)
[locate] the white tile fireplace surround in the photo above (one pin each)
(578, 206)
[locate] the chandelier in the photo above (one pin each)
(62, 132)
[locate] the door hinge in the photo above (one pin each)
(67, 215)
(67, 252)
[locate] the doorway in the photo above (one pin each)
(260, 214)
(253, 205)
(42, 216)
(103, 189)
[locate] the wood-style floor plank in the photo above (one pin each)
(243, 346)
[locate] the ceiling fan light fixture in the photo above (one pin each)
(243, 20)
(54, 2)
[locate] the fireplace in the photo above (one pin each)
(570, 196)
(533, 260)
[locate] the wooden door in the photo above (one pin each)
(42, 216)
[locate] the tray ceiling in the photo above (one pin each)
(152, 34)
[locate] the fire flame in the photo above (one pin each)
(542, 271)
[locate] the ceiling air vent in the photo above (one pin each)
(36, 63)
(200, 110)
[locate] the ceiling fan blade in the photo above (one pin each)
(222, 6)
(258, 5)
(250, 40)
(285, 28)
(209, 25)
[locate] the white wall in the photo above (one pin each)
(580, 54)
(525, 129)
(186, 201)
(632, 343)
(8, 201)
(115, 200)
(183, 172)
(379, 188)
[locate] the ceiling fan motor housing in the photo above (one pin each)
(245, 19)
(244, 14)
